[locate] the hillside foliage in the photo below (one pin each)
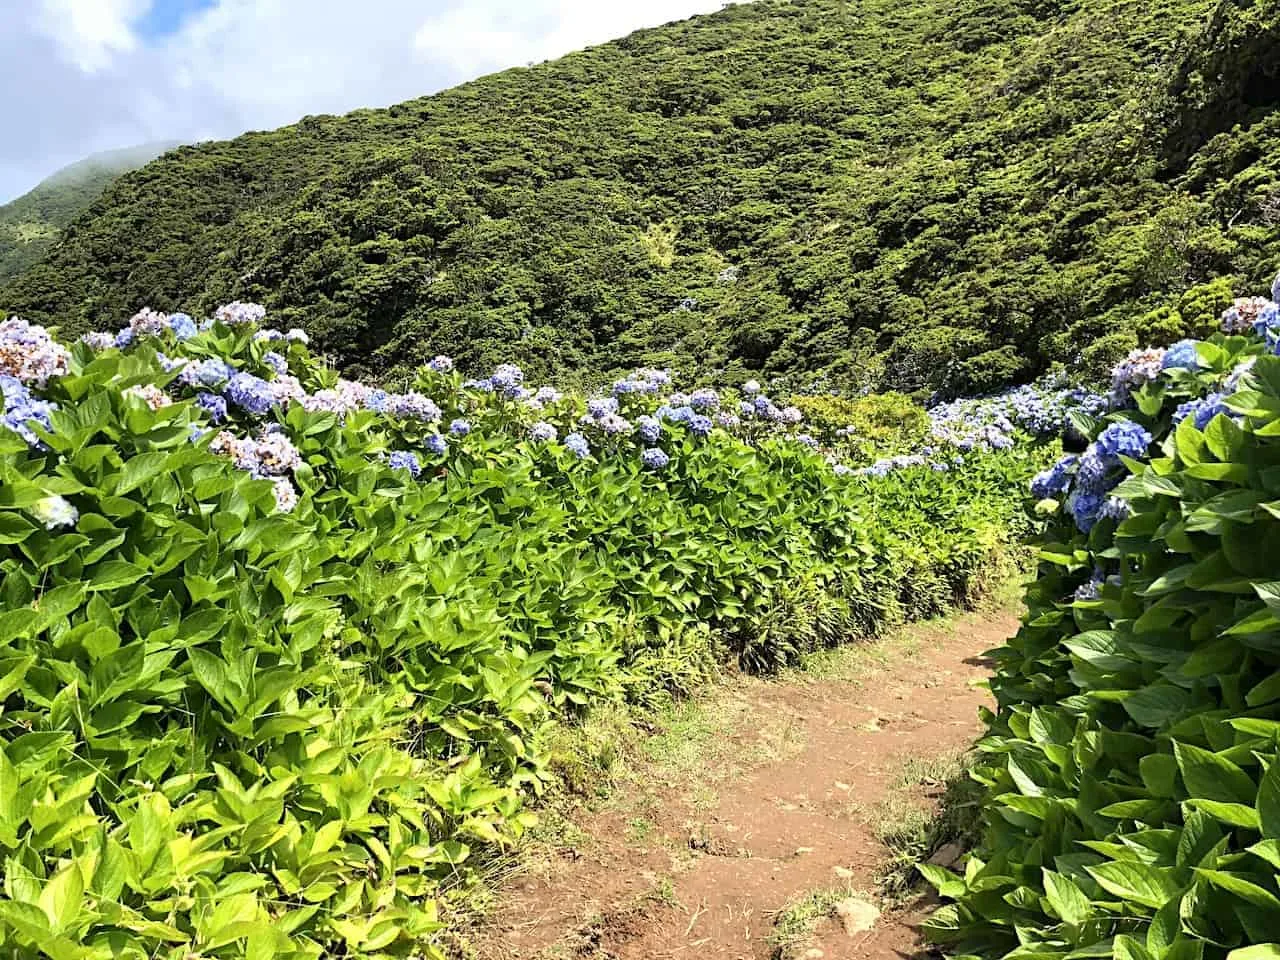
(31, 224)
(924, 195)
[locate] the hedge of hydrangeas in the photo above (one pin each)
(278, 650)
(1132, 769)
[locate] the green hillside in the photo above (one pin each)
(29, 225)
(911, 193)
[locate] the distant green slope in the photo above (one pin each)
(29, 225)
(916, 193)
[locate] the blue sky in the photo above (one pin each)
(166, 17)
(81, 76)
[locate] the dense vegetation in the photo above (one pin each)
(934, 194)
(1133, 767)
(278, 649)
(31, 224)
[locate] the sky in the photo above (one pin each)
(81, 76)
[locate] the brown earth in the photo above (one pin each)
(774, 802)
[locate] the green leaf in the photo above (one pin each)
(1269, 802)
(1209, 776)
(1067, 900)
(113, 574)
(61, 896)
(1240, 887)
(1259, 951)
(1142, 883)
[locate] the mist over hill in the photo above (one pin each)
(30, 224)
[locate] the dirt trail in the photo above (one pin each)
(717, 857)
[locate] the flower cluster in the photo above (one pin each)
(150, 394)
(642, 382)
(993, 422)
(29, 354)
(1136, 370)
(55, 512)
(22, 409)
(1202, 410)
(240, 314)
(1086, 480)
(1251, 315)
(1181, 356)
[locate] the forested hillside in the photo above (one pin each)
(926, 194)
(29, 225)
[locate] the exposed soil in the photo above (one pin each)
(702, 868)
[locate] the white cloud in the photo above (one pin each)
(503, 33)
(89, 33)
(90, 82)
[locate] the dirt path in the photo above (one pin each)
(778, 805)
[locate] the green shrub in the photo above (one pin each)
(1132, 802)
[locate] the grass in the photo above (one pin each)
(912, 832)
(796, 923)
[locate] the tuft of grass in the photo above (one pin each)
(796, 923)
(912, 832)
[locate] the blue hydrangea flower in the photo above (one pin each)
(414, 406)
(1114, 508)
(183, 327)
(436, 443)
(1090, 589)
(1085, 508)
(654, 458)
(701, 426)
(211, 372)
(213, 405)
(1126, 438)
(484, 386)
(577, 443)
(1054, 481)
(615, 425)
(98, 340)
(124, 338)
(238, 313)
(601, 407)
(704, 400)
(542, 432)
(251, 394)
(459, 428)
(1268, 319)
(405, 460)
(506, 379)
(1091, 475)
(1201, 411)
(1181, 356)
(441, 364)
(649, 428)
(278, 364)
(21, 409)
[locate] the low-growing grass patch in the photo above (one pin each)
(796, 923)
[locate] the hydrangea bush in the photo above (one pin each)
(278, 649)
(1132, 768)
